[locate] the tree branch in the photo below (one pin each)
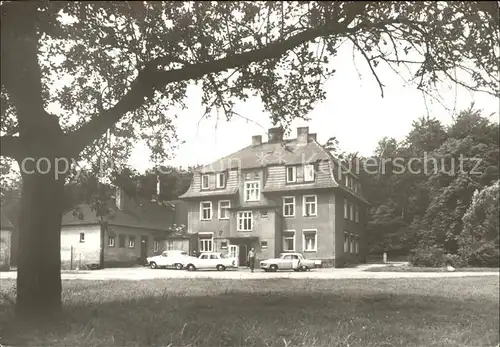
(368, 60)
(151, 79)
(10, 146)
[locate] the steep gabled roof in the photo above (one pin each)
(139, 214)
(287, 152)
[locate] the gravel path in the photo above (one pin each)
(140, 273)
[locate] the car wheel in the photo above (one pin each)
(273, 268)
(178, 266)
(303, 268)
(191, 267)
(221, 268)
(153, 265)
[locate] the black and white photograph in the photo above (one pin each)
(250, 173)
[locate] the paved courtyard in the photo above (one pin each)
(144, 273)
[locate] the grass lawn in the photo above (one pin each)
(458, 312)
(393, 268)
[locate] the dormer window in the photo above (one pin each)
(309, 173)
(204, 182)
(221, 180)
(291, 174)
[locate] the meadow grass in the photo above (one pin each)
(458, 312)
(407, 268)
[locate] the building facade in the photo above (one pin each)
(278, 196)
(7, 235)
(133, 231)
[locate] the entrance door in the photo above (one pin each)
(242, 256)
(144, 247)
(234, 252)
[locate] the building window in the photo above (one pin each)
(351, 212)
(356, 214)
(310, 240)
(204, 182)
(224, 209)
(223, 245)
(221, 180)
(82, 237)
(346, 180)
(206, 210)
(111, 241)
(351, 244)
(289, 206)
(170, 245)
(309, 173)
(263, 245)
(309, 206)
(206, 242)
(346, 209)
(356, 245)
(252, 191)
(291, 174)
(263, 214)
(131, 241)
(245, 221)
(289, 241)
(156, 246)
(346, 242)
(121, 241)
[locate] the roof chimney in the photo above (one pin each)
(256, 140)
(312, 137)
(276, 134)
(303, 134)
(120, 198)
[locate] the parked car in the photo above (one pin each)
(287, 261)
(210, 260)
(173, 258)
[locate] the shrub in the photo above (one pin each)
(479, 240)
(455, 260)
(481, 254)
(428, 256)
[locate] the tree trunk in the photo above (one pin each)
(39, 258)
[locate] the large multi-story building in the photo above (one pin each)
(278, 196)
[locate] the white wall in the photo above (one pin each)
(83, 252)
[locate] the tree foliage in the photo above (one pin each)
(126, 64)
(430, 206)
(479, 240)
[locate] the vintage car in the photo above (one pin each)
(210, 260)
(288, 261)
(173, 258)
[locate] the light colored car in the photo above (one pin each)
(210, 260)
(174, 258)
(288, 261)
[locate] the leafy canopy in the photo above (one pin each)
(123, 65)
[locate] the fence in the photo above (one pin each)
(73, 258)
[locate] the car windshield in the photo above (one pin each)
(223, 256)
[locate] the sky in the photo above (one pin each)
(353, 111)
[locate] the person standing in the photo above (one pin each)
(251, 259)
